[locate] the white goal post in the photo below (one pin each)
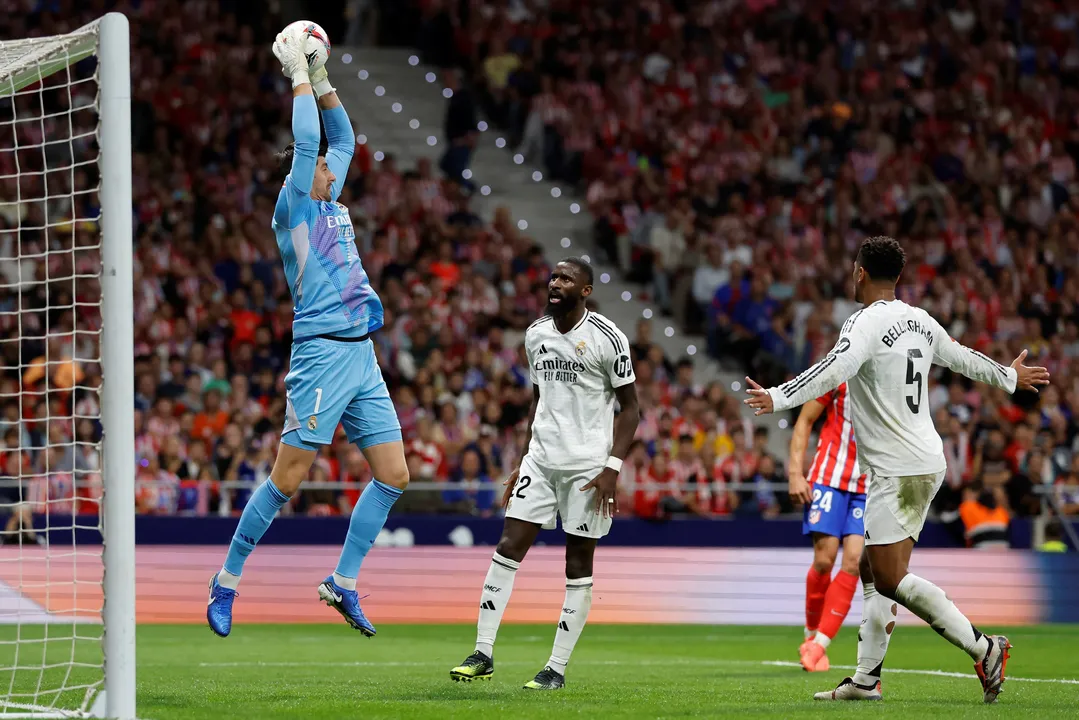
(67, 458)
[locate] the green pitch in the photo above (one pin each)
(307, 671)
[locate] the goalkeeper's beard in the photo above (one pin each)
(321, 193)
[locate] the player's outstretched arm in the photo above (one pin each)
(799, 489)
(339, 136)
(305, 132)
(305, 129)
(976, 366)
(838, 366)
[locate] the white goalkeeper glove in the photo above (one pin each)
(320, 82)
(288, 47)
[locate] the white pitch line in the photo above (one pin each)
(637, 663)
(934, 673)
(318, 664)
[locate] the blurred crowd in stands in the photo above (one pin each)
(733, 154)
(213, 314)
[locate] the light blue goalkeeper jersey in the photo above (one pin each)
(331, 293)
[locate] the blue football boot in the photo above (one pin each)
(219, 609)
(346, 602)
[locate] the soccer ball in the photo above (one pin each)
(316, 43)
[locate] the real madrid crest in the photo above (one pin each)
(312, 424)
(580, 349)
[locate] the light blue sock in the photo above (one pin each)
(257, 516)
(368, 517)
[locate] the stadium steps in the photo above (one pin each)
(549, 219)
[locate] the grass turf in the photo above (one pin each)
(306, 671)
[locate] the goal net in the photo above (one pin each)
(66, 543)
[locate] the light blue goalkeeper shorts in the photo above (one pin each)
(337, 381)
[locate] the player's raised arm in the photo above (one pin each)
(799, 489)
(339, 137)
(305, 131)
(976, 366)
(305, 128)
(839, 365)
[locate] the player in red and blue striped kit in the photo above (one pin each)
(833, 493)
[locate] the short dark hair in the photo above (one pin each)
(583, 266)
(284, 158)
(882, 257)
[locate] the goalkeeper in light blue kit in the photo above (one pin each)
(333, 376)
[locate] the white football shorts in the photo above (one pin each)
(896, 507)
(543, 495)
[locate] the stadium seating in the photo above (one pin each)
(734, 155)
(733, 185)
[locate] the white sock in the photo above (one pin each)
(227, 580)
(809, 634)
(823, 640)
(878, 621)
(345, 582)
(497, 587)
(929, 602)
(571, 622)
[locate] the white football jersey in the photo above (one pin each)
(884, 353)
(577, 374)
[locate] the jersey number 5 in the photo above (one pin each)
(914, 378)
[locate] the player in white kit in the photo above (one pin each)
(884, 353)
(579, 365)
